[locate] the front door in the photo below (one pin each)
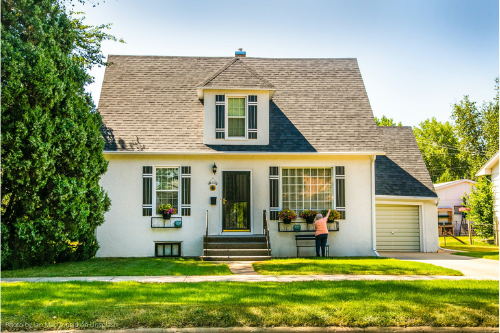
(236, 200)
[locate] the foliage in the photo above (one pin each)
(121, 305)
(287, 214)
(440, 150)
(477, 130)
(308, 213)
(480, 202)
(384, 121)
(334, 215)
(51, 143)
(457, 150)
(167, 209)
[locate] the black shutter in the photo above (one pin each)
(252, 116)
(274, 192)
(186, 191)
(340, 191)
(147, 191)
(220, 116)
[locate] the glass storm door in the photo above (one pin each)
(236, 200)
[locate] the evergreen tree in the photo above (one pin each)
(51, 143)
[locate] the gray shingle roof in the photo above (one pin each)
(235, 74)
(150, 103)
(402, 171)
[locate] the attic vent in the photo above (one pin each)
(240, 53)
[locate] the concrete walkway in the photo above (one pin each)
(240, 267)
(246, 278)
(472, 268)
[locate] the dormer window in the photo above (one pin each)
(239, 112)
(236, 117)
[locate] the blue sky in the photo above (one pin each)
(417, 58)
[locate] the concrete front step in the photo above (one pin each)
(235, 258)
(236, 239)
(237, 252)
(235, 245)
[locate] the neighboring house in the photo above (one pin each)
(491, 168)
(231, 141)
(450, 196)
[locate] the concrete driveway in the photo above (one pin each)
(474, 268)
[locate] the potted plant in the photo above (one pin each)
(308, 215)
(287, 215)
(167, 211)
(334, 215)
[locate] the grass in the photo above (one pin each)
(478, 248)
(226, 304)
(123, 267)
(349, 265)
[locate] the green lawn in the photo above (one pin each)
(123, 267)
(349, 265)
(478, 248)
(226, 304)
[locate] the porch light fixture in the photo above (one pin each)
(214, 168)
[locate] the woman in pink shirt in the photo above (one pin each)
(321, 233)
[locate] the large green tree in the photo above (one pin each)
(441, 150)
(477, 130)
(480, 202)
(51, 143)
(384, 121)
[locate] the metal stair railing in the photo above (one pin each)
(265, 227)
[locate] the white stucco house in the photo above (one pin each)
(230, 141)
(450, 196)
(491, 168)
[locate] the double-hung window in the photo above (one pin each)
(236, 117)
(167, 187)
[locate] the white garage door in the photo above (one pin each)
(398, 228)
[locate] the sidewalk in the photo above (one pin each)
(245, 278)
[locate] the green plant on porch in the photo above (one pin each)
(167, 209)
(334, 215)
(287, 214)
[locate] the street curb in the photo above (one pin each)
(328, 329)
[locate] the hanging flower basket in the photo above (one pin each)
(287, 215)
(308, 215)
(166, 211)
(334, 215)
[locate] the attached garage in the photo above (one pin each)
(398, 228)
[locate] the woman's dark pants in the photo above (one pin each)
(321, 242)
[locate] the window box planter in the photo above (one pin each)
(160, 222)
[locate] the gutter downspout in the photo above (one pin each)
(374, 227)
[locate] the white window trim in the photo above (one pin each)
(179, 193)
(226, 100)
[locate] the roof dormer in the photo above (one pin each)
(236, 105)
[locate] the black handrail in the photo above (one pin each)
(205, 246)
(265, 227)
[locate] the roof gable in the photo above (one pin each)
(453, 183)
(236, 75)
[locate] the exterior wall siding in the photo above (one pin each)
(126, 233)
